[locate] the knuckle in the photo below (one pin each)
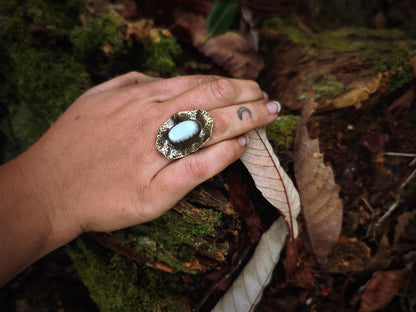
(197, 167)
(135, 74)
(137, 77)
(200, 80)
(234, 152)
(220, 125)
(255, 88)
(223, 89)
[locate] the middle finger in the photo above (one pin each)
(216, 94)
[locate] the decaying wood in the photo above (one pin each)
(350, 76)
(208, 253)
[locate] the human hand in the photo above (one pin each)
(97, 168)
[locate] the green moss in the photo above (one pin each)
(57, 16)
(201, 223)
(160, 56)
(328, 86)
(49, 57)
(282, 132)
(170, 238)
(46, 78)
(89, 41)
(116, 285)
(379, 47)
(343, 39)
(395, 62)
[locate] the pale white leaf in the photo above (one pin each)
(271, 179)
(247, 289)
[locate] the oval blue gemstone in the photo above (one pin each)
(183, 131)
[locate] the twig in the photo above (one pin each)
(367, 204)
(397, 201)
(400, 154)
(411, 164)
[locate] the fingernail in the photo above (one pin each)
(273, 107)
(242, 140)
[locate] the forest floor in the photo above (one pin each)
(371, 149)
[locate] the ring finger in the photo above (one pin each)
(235, 120)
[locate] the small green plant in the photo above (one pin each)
(221, 17)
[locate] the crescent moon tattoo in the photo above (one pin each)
(243, 110)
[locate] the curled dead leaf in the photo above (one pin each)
(348, 255)
(381, 290)
(359, 92)
(321, 205)
(231, 51)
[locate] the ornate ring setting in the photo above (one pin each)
(184, 133)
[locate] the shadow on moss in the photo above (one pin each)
(116, 285)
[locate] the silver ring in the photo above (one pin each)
(184, 133)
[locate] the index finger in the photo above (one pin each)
(216, 94)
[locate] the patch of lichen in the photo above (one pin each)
(324, 85)
(282, 132)
(170, 238)
(116, 285)
(382, 48)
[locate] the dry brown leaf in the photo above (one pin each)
(405, 101)
(404, 228)
(381, 290)
(297, 270)
(231, 51)
(271, 179)
(321, 205)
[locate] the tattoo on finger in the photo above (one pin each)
(243, 110)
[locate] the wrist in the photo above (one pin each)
(33, 221)
(40, 177)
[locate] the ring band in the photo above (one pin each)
(184, 133)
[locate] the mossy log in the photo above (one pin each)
(344, 67)
(170, 264)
